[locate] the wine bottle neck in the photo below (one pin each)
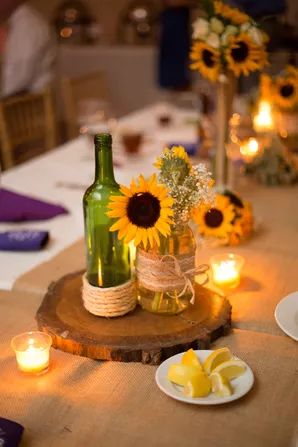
(104, 171)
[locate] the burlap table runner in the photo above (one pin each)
(83, 402)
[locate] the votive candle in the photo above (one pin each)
(226, 269)
(32, 350)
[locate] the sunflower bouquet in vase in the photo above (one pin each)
(227, 43)
(155, 214)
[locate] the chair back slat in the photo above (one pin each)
(75, 90)
(24, 120)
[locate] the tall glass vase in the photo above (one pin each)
(158, 294)
(226, 87)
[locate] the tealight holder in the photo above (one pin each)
(226, 270)
(32, 350)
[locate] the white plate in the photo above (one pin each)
(241, 385)
(286, 315)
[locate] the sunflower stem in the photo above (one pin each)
(158, 297)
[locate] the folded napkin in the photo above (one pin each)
(23, 241)
(190, 148)
(15, 207)
(10, 433)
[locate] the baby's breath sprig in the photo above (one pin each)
(189, 186)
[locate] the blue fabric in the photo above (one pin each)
(174, 48)
(257, 8)
(25, 240)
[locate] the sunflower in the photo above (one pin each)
(206, 60)
(237, 17)
(285, 92)
(293, 71)
(176, 152)
(243, 56)
(143, 210)
(217, 220)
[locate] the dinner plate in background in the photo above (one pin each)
(241, 385)
(286, 315)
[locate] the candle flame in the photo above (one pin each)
(250, 148)
(263, 120)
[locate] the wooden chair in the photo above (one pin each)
(27, 122)
(75, 90)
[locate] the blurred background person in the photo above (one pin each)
(28, 49)
(175, 34)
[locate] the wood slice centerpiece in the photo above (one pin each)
(139, 336)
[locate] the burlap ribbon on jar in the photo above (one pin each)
(168, 273)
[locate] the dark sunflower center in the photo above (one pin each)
(143, 210)
(235, 200)
(287, 90)
(240, 53)
(208, 58)
(214, 218)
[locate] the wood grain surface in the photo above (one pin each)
(139, 336)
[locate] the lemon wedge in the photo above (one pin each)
(216, 358)
(182, 374)
(189, 358)
(220, 385)
(198, 386)
(231, 369)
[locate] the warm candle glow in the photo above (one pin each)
(249, 149)
(32, 350)
(263, 120)
(226, 270)
(99, 273)
(132, 253)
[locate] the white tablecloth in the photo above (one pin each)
(62, 175)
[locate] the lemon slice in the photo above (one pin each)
(198, 386)
(231, 369)
(216, 358)
(182, 374)
(189, 358)
(220, 385)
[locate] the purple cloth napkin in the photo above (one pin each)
(26, 240)
(15, 207)
(10, 433)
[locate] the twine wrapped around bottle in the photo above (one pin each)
(168, 273)
(111, 301)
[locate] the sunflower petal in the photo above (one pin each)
(118, 199)
(121, 223)
(163, 227)
(138, 237)
(167, 202)
(150, 237)
(116, 213)
(143, 184)
(156, 236)
(131, 232)
(126, 191)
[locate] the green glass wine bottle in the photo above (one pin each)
(108, 261)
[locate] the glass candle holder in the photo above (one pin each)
(226, 270)
(32, 350)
